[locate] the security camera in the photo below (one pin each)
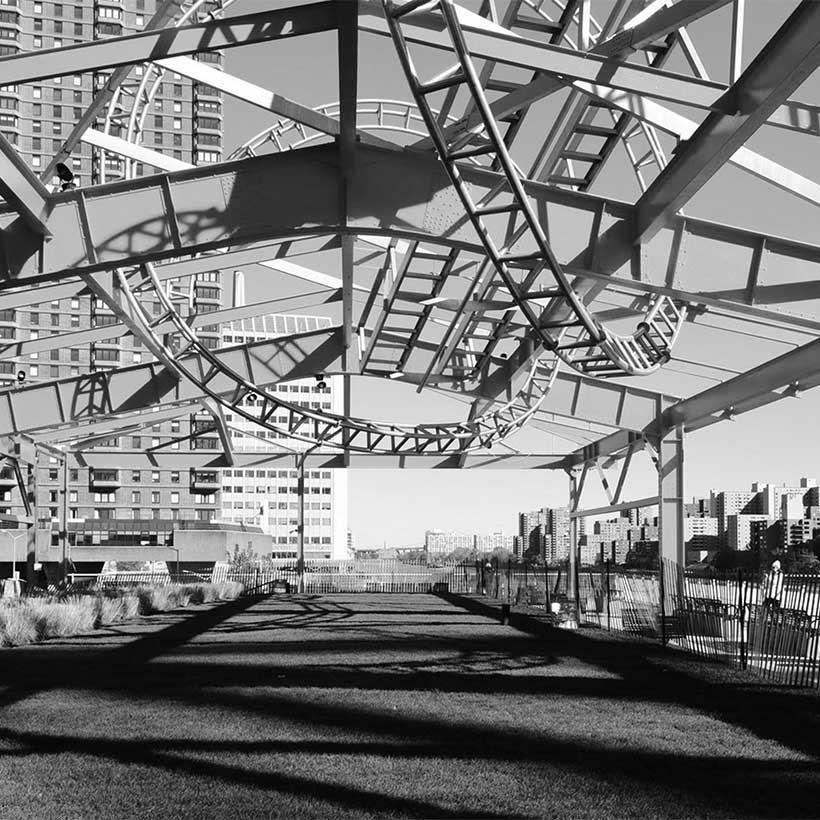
(65, 175)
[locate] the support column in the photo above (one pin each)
(574, 503)
(63, 522)
(31, 539)
(672, 549)
(300, 522)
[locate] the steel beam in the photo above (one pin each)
(641, 30)
(493, 42)
(61, 341)
(160, 19)
(107, 393)
(20, 186)
(778, 70)
(148, 46)
(198, 460)
(392, 193)
(133, 150)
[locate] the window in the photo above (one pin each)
(78, 29)
(175, 498)
(135, 496)
(177, 125)
(37, 93)
(175, 477)
(155, 477)
(136, 442)
(58, 10)
(136, 476)
(155, 497)
(36, 162)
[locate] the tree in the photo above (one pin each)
(642, 555)
(802, 559)
(243, 560)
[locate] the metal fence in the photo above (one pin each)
(732, 617)
(328, 576)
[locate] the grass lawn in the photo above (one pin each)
(390, 705)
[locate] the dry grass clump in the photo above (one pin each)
(28, 620)
(117, 606)
(173, 596)
(17, 627)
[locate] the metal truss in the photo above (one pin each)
(453, 275)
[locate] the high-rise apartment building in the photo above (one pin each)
(176, 117)
(268, 497)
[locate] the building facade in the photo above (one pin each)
(176, 117)
(268, 497)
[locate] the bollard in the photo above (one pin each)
(505, 613)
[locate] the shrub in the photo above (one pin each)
(27, 620)
(229, 591)
(17, 627)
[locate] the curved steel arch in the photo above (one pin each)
(320, 427)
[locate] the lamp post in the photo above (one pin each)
(14, 573)
(176, 550)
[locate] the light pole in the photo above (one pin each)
(14, 574)
(176, 550)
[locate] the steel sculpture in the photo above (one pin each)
(445, 211)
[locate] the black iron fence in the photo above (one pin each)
(769, 624)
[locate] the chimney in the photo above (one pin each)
(238, 288)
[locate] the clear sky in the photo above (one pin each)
(778, 443)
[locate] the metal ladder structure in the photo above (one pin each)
(533, 273)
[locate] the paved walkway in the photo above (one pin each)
(389, 705)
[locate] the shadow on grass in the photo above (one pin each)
(715, 784)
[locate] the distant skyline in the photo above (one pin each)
(778, 443)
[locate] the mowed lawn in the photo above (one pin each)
(390, 705)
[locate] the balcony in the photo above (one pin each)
(205, 482)
(104, 480)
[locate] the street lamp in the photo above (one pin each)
(14, 573)
(176, 550)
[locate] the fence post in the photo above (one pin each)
(509, 579)
(607, 596)
(663, 602)
(741, 609)
(547, 602)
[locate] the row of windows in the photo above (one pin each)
(106, 514)
(277, 473)
(273, 490)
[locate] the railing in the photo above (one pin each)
(732, 617)
(329, 576)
